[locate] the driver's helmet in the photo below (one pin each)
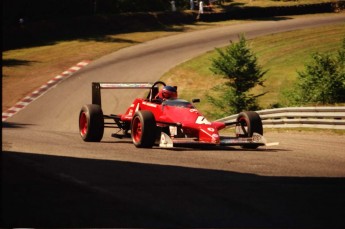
(168, 92)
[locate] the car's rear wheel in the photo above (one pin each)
(249, 122)
(91, 123)
(143, 130)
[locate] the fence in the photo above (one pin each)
(294, 117)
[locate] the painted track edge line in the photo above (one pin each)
(43, 89)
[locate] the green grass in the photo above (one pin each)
(282, 54)
(285, 54)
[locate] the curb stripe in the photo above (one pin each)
(41, 90)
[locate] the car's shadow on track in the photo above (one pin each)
(15, 125)
(221, 148)
(54, 191)
(198, 147)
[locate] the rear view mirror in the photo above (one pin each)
(195, 100)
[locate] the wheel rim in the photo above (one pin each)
(83, 124)
(137, 130)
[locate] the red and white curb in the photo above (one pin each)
(44, 88)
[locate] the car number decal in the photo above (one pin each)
(202, 120)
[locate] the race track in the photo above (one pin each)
(52, 178)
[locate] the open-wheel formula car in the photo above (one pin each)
(163, 119)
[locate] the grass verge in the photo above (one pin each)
(282, 54)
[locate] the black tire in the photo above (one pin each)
(91, 123)
(250, 122)
(143, 129)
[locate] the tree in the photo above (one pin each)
(322, 81)
(238, 65)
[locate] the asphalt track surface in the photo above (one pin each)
(51, 178)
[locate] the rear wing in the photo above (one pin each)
(97, 86)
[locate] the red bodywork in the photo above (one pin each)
(170, 121)
(182, 114)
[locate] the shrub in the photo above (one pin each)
(322, 81)
(238, 64)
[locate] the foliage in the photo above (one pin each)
(56, 9)
(322, 81)
(238, 65)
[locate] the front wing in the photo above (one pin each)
(168, 142)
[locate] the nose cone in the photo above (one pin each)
(209, 134)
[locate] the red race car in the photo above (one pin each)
(165, 120)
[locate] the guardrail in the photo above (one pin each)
(294, 117)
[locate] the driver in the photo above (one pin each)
(167, 92)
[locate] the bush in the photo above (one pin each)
(238, 64)
(323, 80)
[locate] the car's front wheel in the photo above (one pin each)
(143, 130)
(249, 122)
